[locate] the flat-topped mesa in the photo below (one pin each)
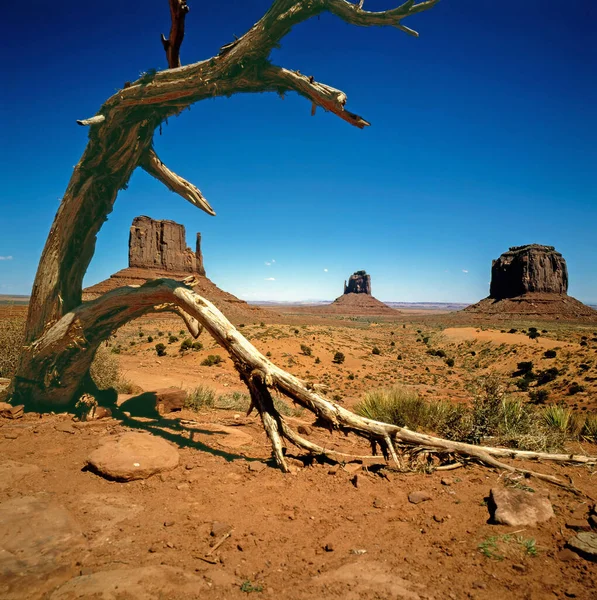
(162, 245)
(358, 283)
(529, 268)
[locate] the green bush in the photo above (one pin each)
(160, 349)
(196, 346)
(172, 339)
(538, 396)
(149, 339)
(211, 360)
(338, 358)
(187, 344)
(450, 362)
(306, 350)
(547, 375)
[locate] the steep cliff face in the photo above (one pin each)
(162, 245)
(530, 268)
(358, 283)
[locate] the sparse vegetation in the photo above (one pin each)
(211, 360)
(160, 349)
(105, 371)
(338, 358)
(306, 350)
(12, 337)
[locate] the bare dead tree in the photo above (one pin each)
(63, 333)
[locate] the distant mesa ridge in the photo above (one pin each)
(531, 281)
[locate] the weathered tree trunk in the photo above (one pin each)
(62, 333)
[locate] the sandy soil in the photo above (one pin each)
(313, 534)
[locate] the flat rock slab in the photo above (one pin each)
(12, 471)
(518, 508)
(144, 583)
(133, 456)
(368, 579)
(418, 497)
(39, 542)
(585, 544)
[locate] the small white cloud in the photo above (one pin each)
(268, 264)
(325, 270)
(270, 279)
(5, 257)
(273, 260)
(464, 271)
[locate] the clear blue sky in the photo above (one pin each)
(483, 137)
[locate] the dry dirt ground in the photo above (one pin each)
(319, 532)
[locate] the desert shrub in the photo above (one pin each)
(160, 349)
(201, 397)
(583, 343)
(338, 358)
(513, 330)
(450, 362)
(434, 352)
(397, 405)
(557, 417)
(399, 357)
(538, 396)
(211, 360)
(149, 339)
(196, 346)
(522, 384)
(296, 332)
(306, 350)
(547, 375)
(187, 344)
(549, 354)
(392, 343)
(172, 339)
(12, 338)
(583, 367)
(523, 367)
(376, 351)
(533, 335)
(160, 333)
(233, 401)
(317, 360)
(575, 388)
(141, 334)
(351, 376)
(106, 374)
(268, 354)
(589, 430)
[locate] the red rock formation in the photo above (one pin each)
(358, 283)
(162, 245)
(531, 268)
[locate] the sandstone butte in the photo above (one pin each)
(531, 281)
(158, 249)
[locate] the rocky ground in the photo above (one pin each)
(215, 520)
(211, 517)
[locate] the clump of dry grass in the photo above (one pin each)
(12, 337)
(105, 371)
(492, 418)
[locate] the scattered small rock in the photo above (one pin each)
(518, 567)
(8, 411)
(333, 470)
(377, 503)
(358, 551)
(353, 467)
(257, 466)
(305, 429)
(578, 525)
(11, 435)
(218, 529)
(329, 547)
(518, 508)
(183, 486)
(439, 518)
(585, 544)
(418, 497)
(168, 523)
(65, 428)
(566, 555)
(447, 481)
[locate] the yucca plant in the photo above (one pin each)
(557, 417)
